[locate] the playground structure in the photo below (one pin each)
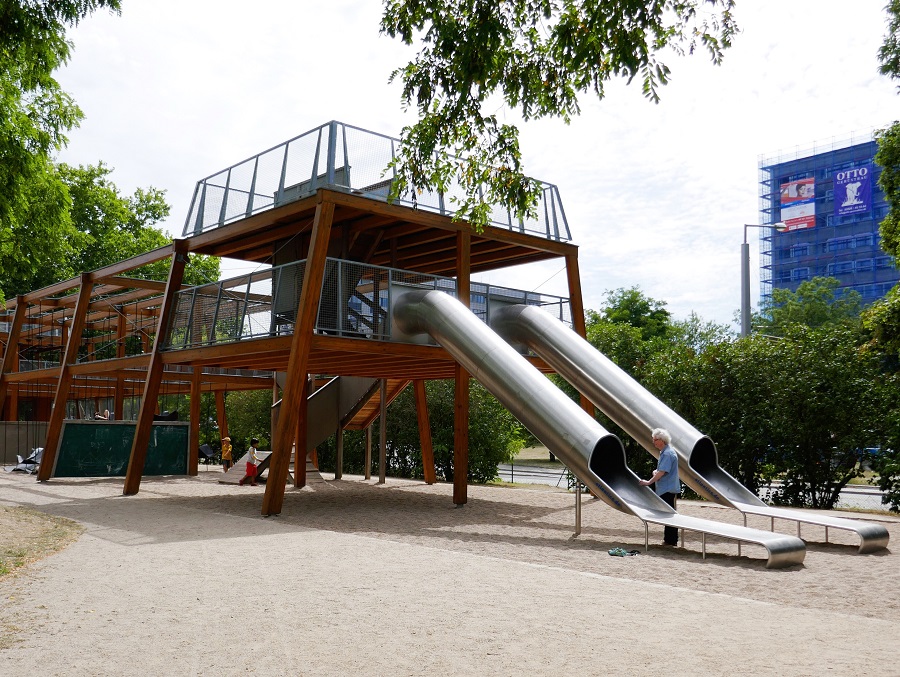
(348, 286)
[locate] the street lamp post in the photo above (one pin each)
(745, 273)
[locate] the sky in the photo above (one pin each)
(656, 195)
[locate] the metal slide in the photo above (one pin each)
(592, 454)
(637, 411)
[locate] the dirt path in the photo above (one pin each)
(354, 577)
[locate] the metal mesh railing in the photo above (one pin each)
(355, 301)
(338, 156)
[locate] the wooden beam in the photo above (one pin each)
(194, 423)
(461, 380)
(424, 432)
(300, 450)
(11, 353)
(382, 433)
(58, 412)
(221, 416)
(460, 436)
(154, 373)
(307, 311)
(432, 220)
(576, 305)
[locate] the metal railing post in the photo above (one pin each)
(252, 194)
(224, 208)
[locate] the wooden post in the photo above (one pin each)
(307, 311)
(382, 434)
(461, 391)
(424, 432)
(339, 453)
(221, 418)
(273, 413)
(194, 434)
(12, 398)
(576, 305)
(11, 354)
(121, 337)
(154, 372)
(368, 460)
(70, 356)
(300, 450)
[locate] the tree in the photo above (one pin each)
(35, 115)
(814, 304)
(632, 307)
(101, 227)
(249, 414)
(539, 57)
(888, 157)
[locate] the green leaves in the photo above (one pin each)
(814, 304)
(538, 57)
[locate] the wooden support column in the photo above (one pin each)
(121, 337)
(382, 434)
(461, 437)
(11, 355)
(300, 450)
(424, 432)
(576, 305)
(221, 418)
(307, 311)
(12, 396)
(368, 461)
(70, 356)
(273, 413)
(154, 372)
(194, 418)
(339, 453)
(461, 391)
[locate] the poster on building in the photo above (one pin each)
(853, 190)
(798, 204)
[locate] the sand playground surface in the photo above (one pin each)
(356, 578)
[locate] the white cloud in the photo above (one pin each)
(655, 195)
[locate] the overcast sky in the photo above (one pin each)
(656, 195)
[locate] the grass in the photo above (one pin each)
(536, 457)
(28, 535)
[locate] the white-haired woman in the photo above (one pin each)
(668, 485)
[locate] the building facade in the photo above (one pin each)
(830, 203)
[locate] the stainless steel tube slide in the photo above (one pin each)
(637, 411)
(591, 453)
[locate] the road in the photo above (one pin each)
(855, 496)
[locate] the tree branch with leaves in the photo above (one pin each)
(537, 56)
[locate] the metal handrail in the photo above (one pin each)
(341, 157)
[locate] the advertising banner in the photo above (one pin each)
(798, 204)
(853, 190)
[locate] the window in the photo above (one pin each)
(865, 265)
(799, 250)
(843, 267)
(866, 240)
(799, 274)
(839, 243)
(883, 262)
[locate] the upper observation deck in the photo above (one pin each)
(341, 158)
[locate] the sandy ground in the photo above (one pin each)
(186, 578)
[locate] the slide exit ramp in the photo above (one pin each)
(637, 411)
(592, 454)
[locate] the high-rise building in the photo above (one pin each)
(829, 200)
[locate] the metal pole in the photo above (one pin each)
(577, 507)
(745, 286)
